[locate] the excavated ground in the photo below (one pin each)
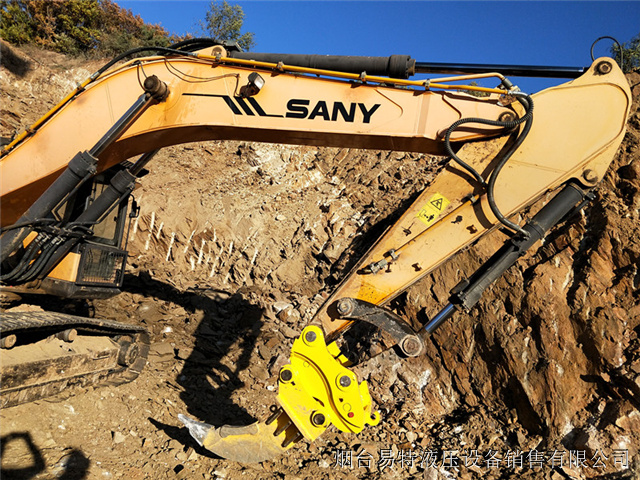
(236, 246)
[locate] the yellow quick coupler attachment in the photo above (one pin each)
(316, 389)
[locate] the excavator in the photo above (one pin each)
(67, 182)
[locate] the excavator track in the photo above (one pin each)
(44, 353)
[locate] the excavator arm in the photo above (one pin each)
(508, 150)
(566, 152)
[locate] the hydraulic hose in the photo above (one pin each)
(133, 51)
(81, 167)
(527, 102)
(120, 187)
(27, 258)
(34, 269)
(527, 119)
(193, 44)
(82, 86)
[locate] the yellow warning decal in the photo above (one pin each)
(432, 210)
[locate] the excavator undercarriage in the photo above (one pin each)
(504, 157)
(45, 353)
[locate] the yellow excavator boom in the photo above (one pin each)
(508, 150)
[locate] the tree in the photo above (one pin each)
(16, 25)
(98, 27)
(630, 54)
(224, 22)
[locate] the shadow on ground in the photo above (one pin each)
(26, 460)
(229, 327)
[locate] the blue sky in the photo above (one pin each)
(504, 32)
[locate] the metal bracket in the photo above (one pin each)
(316, 389)
(407, 340)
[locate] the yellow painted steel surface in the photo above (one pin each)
(67, 269)
(577, 128)
(290, 109)
(319, 385)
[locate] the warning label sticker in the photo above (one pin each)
(432, 210)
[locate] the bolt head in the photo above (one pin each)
(344, 306)
(310, 336)
(345, 381)
(318, 419)
(286, 375)
(411, 346)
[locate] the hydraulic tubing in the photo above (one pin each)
(395, 66)
(527, 119)
(507, 70)
(468, 292)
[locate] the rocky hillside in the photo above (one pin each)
(238, 244)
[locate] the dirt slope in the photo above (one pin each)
(236, 246)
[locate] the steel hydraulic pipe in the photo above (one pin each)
(507, 70)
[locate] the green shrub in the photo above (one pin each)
(90, 27)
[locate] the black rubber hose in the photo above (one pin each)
(452, 154)
(193, 44)
(25, 261)
(484, 121)
(527, 102)
(36, 267)
(128, 53)
(119, 188)
(29, 260)
(621, 63)
(34, 223)
(527, 118)
(81, 166)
